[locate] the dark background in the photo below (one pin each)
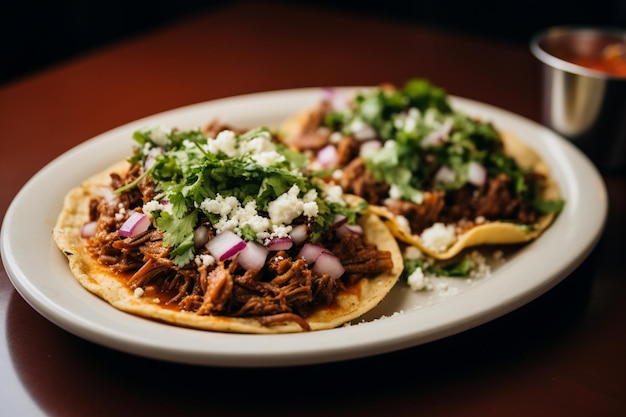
(35, 34)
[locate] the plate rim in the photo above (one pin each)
(301, 348)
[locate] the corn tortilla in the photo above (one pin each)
(99, 279)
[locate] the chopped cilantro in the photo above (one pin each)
(187, 167)
(422, 133)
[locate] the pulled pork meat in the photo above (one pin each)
(285, 290)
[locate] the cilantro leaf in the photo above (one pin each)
(459, 269)
(178, 234)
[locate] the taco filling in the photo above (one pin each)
(225, 233)
(443, 180)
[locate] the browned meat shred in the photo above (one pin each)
(311, 135)
(493, 201)
(214, 127)
(359, 257)
(357, 180)
(285, 290)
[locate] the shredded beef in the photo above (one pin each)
(495, 200)
(214, 127)
(311, 135)
(285, 290)
(420, 216)
(347, 150)
(217, 290)
(357, 180)
(359, 257)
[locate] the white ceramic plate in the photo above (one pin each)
(41, 275)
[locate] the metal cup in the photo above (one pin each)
(585, 105)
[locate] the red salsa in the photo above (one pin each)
(612, 61)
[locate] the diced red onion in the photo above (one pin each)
(150, 160)
(328, 93)
(201, 236)
(151, 157)
(280, 243)
(362, 131)
(445, 174)
(88, 229)
(369, 147)
(253, 256)
(330, 264)
(337, 100)
(310, 251)
(433, 138)
(299, 233)
(349, 228)
(437, 136)
(225, 245)
(476, 173)
(135, 224)
(327, 156)
(340, 220)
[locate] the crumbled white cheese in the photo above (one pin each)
(279, 231)
(403, 223)
(480, 267)
(155, 205)
(248, 215)
(121, 212)
(362, 131)
(226, 142)
(259, 144)
(413, 252)
(335, 137)
(260, 149)
(310, 196)
(138, 293)
(204, 259)
(418, 281)
(265, 159)
(310, 209)
(286, 207)
(439, 237)
(220, 205)
(281, 211)
(446, 290)
(334, 194)
(394, 192)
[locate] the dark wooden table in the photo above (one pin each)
(563, 354)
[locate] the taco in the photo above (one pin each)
(226, 234)
(442, 180)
